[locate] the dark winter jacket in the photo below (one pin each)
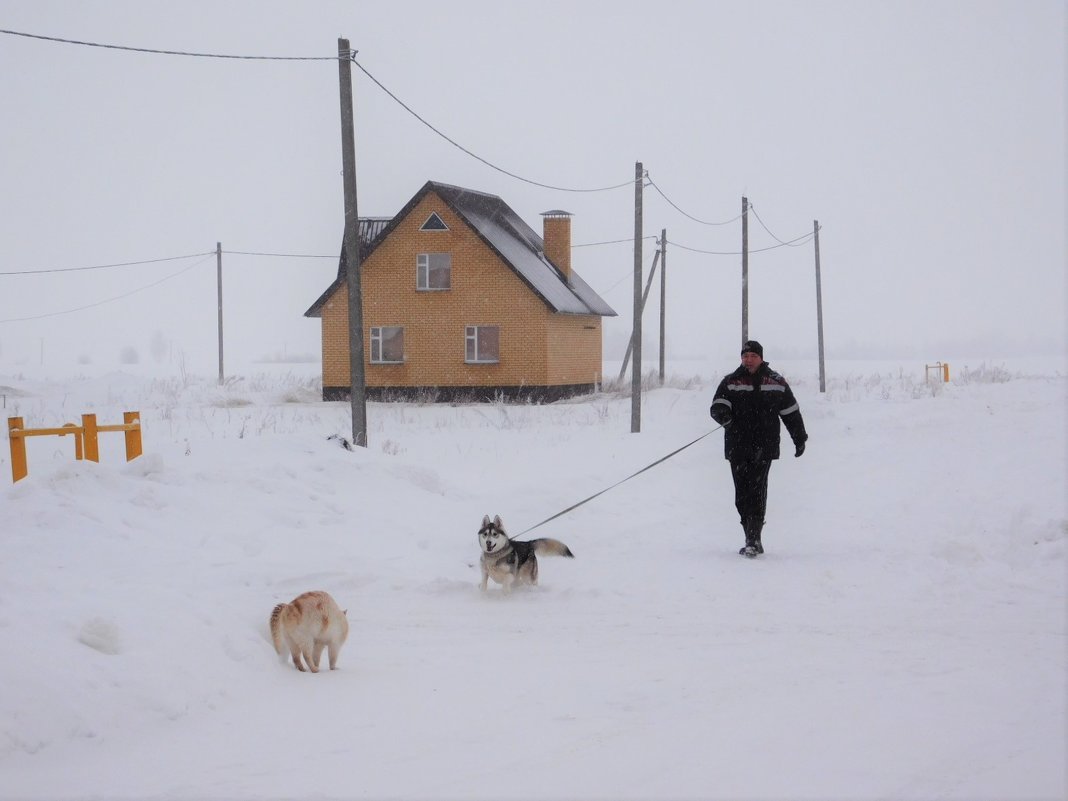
(749, 407)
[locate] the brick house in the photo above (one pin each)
(461, 299)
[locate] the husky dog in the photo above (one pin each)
(510, 562)
(307, 624)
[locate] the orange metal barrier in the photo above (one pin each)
(86, 444)
(942, 371)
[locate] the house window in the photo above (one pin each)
(387, 344)
(434, 223)
(433, 271)
(483, 344)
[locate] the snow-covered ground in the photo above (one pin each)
(903, 637)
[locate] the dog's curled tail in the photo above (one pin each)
(276, 627)
(546, 546)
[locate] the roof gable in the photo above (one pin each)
(507, 235)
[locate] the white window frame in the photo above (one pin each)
(378, 341)
(472, 355)
(425, 267)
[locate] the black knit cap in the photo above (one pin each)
(752, 346)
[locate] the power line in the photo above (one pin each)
(281, 255)
(167, 52)
(105, 266)
(660, 191)
(457, 145)
(610, 242)
(108, 300)
(790, 243)
(629, 275)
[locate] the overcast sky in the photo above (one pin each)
(927, 138)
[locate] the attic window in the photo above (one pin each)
(434, 223)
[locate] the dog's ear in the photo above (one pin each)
(498, 522)
(485, 520)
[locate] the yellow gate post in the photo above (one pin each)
(131, 428)
(90, 443)
(133, 434)
(19, 470)
(17, 434)
(77, 432)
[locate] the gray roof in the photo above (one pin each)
(512, 239)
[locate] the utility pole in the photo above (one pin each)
(218, 273)
(819, 305)
(745, 270)
(663, 295)
(357, 395)
(636, 330)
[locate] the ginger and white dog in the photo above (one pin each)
(306, 625)
(510, 562)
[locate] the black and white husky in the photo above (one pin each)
(510, 562)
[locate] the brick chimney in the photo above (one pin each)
(556, 231)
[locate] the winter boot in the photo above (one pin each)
(755, 527)
(752, 547)
(752, 543)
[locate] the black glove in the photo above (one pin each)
(720, 414)
(799, 448)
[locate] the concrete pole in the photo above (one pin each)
(636, 330)
(357, 390)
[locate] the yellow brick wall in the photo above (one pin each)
(574, 348)
(537, 347)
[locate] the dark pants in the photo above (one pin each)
(750, 488)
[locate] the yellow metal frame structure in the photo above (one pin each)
(941, 367)
(86, 442)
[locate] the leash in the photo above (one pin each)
(628, 478)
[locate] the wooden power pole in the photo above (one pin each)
(357, 393)
(745, 270)
(819, 306)
(218, 274)
(636, 330)
(663, 294)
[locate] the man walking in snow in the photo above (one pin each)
(748, 404)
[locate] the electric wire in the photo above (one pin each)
(791, 243)
(105, 266)
(169, 52)
(280, 255)
(610, 242)
(490, 164)
(107, 300)
(671, 203)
